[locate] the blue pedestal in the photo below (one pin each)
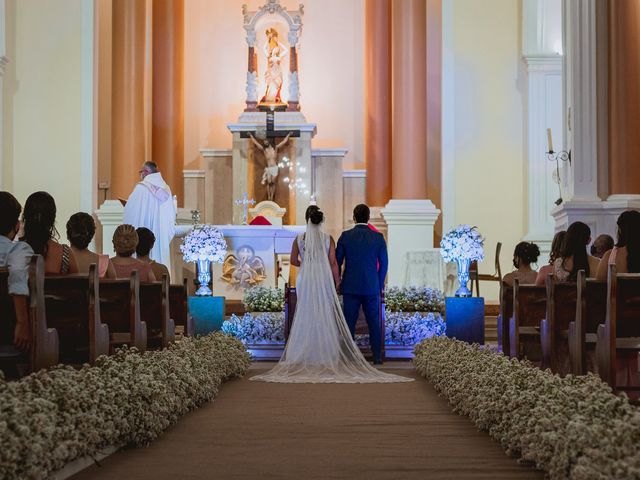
(207, 313)
(465, 319)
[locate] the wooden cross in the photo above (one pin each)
(272, 133)
(245, 202)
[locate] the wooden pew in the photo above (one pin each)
(73, 308)
(529, 303)
(506, 312)
(179, 308)
(44, 341)
(554, 328)
(591, 310)
(120, 310)
(154, 298)
(620, 333)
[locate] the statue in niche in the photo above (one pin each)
(246, 270)
(270, 175)
(275, 51)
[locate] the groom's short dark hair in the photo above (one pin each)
(361, 213)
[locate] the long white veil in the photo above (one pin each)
(320, 348)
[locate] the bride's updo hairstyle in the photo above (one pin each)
(314, 214)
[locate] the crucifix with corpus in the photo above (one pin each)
(270, 148)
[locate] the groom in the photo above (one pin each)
(364, 253)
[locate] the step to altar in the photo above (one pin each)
(491, 308)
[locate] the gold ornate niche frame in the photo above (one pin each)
(292, 21)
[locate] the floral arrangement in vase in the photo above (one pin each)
(205, 244)
(263, 299)
(463, 245)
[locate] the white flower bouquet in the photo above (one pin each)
(414, 299)
(462, 243)
(263, 299)
(571, 427)
(204, 242)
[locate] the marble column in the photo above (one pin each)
(541, 46)
(378, 103)
(588, 97)
(409, 180)
(410, 216)
(624, 97)
(168, 99)
(128, 137)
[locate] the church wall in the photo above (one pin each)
(48, 103)
(331, 64)
(483, 125)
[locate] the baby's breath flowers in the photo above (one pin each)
(571, 427)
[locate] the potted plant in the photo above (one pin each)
(263, 324)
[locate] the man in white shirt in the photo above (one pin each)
(151, 205)
(15, 256)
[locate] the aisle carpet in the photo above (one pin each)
(256, 430)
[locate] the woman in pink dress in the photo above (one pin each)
(626, 257)
(80, 231)
(556, 245)
(125, 241)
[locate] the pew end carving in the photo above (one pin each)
(120, 310)
(179, 310)
(529, 305)
(73, 308)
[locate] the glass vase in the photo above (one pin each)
(204, 277)
(463, 277)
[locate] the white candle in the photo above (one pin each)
(549, 140)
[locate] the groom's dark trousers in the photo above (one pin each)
(361, 254)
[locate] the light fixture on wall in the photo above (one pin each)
(561, 156)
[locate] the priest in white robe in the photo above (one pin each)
(151, 205)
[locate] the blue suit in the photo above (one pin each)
(364, 254)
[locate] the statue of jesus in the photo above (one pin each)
(275, 51)
(271, 168)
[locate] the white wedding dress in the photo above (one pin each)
(320, 348)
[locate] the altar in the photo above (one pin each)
(257, 256)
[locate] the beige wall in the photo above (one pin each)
(46, 132)
(484, 153)
(331, 73)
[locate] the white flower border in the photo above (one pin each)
(571, 427)
(258, 328)
(53, 417)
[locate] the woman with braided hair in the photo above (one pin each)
(39, 218)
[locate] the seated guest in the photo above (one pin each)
(626, 254)
(602, 245)
(524, 255)
(146, 240)
(125, 241)
(574, 256)
(556, 246)
(40, 233)
(15, 256)
(80, 231)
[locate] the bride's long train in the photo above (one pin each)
(320, 348)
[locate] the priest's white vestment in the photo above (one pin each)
(151, 205)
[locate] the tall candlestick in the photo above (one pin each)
(549, 140)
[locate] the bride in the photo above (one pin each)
(320, 348)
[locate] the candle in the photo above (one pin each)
(549, 140)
